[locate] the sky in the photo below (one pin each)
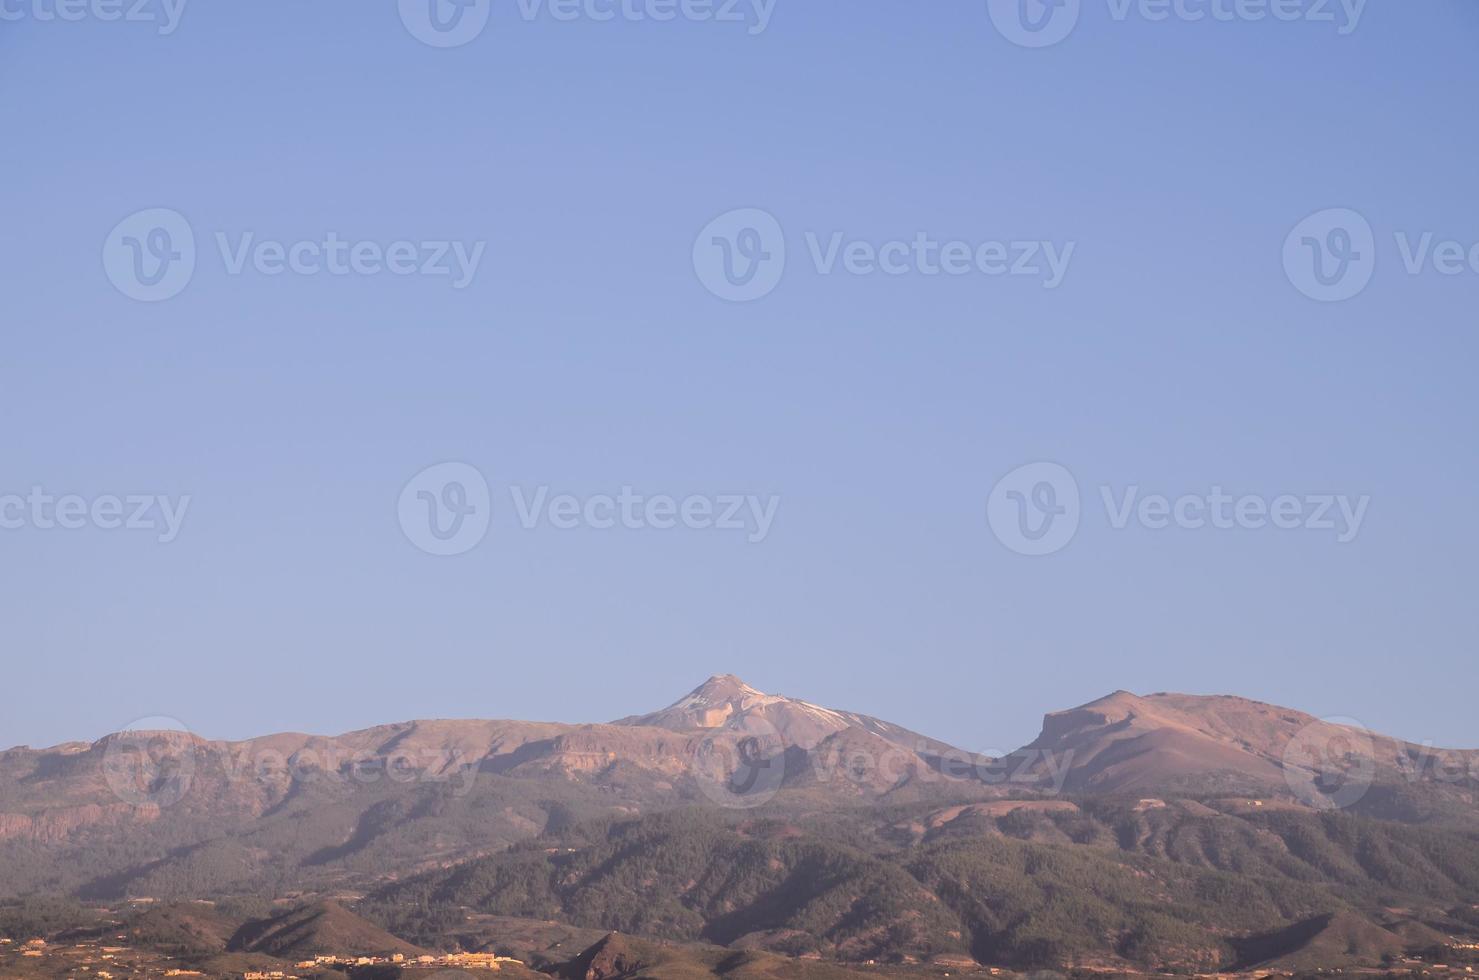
(543, 362)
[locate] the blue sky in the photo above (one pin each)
(586, 355)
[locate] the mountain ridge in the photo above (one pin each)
(171, 812)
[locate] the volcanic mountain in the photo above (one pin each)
(172, 814)
(724, 702)
(336, 809)
(1180, 743)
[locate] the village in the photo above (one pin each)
(37, 959)
(462, 961)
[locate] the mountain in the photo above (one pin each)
(1179, 887)
(172, 815)
(1164, 831)
(726, 703)
(830, 751)
(169, 814)
(1225, 746)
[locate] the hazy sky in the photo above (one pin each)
(1176, 352)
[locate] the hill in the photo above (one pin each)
(619, 957)
(1101, 884)
(323, 928)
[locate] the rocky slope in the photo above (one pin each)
(172, 814)
(1229, 746)
(169, 814)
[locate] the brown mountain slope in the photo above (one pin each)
(1339, 941)
(324, 928)
(619, 957)
(169, 814)
(203, 817)
(1126, 743)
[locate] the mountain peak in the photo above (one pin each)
(724, 687)
(724, 702)
(718, 702)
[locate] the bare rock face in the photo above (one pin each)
(55, 825)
